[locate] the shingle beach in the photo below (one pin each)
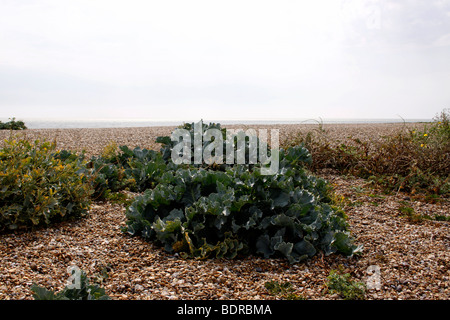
(413, 258)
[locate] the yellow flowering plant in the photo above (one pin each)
(38, 186)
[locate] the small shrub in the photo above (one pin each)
(13, 125)
(40, 185)
(412, 216)
(411, 160)
(275, 287)
(406, 210)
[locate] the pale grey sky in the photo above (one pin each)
(190, 60)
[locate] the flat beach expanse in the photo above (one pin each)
(94, 140)
(413, 258)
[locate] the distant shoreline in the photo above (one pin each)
(133, 123)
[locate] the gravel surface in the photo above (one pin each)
(413, 257)
(93, 141)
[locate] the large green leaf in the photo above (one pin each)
(40, 293)
(284, 247)
(263, 246)
(280, 198)
(304, 247)
(344, 243)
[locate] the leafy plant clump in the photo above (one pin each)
(85, 291)
(13, 124)
(122, 168)
(39, 185)
(202, 212)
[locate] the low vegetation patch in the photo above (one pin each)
(120, 168)
(81, 290)
(341, 283)
(282, 290)
(413, 160)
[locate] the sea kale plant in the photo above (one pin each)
(235, 146)
(234, 210)
(124, 168)
(85, 291)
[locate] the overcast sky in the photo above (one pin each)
(191, 60)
